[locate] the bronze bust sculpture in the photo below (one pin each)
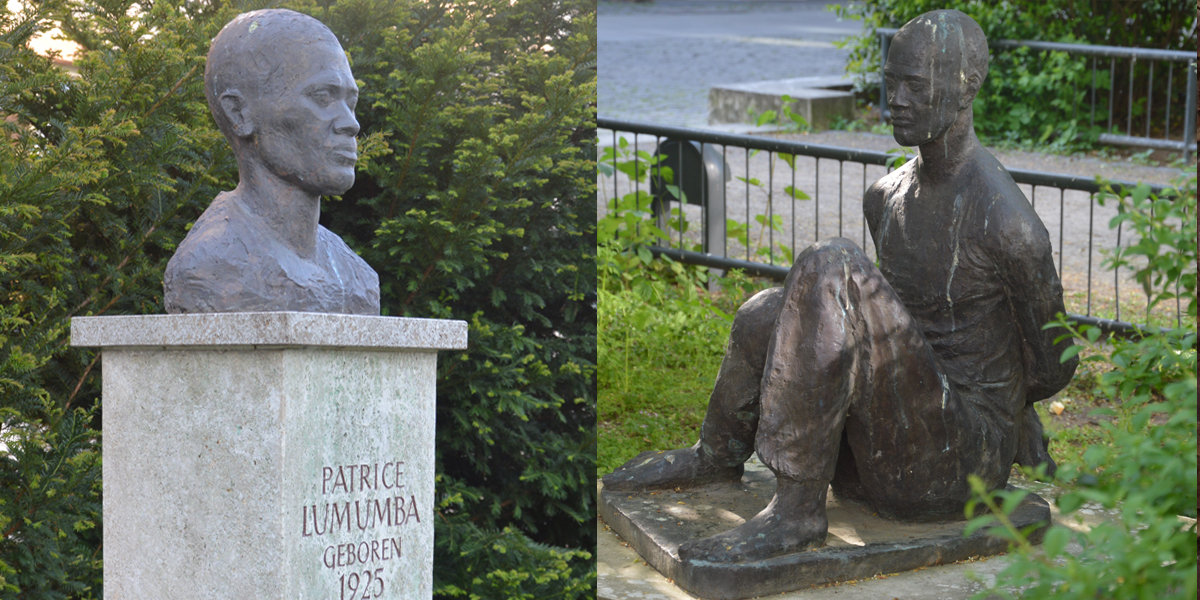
(280, 89)
(890, 384)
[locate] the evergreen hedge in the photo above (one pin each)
(473, 201)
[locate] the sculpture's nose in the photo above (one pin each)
(345, 123)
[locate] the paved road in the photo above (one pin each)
(658, 60)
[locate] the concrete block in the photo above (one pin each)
(819, 99)
(268, 455)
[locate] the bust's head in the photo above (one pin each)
(280, 89)
(936, 64)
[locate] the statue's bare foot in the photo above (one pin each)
(794, 521)
(681, 468)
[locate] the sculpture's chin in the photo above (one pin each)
(909, 137)
(337, 182)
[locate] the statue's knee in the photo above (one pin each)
(755, 318)
(831, 254)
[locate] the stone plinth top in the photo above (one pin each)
(282, 329)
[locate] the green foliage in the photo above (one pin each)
(99, 176)
(1148, 471)
(473, 201)
(661, 334)
(1043, 97)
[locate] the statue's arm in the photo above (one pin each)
(1026, 261)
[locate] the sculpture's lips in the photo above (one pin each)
(347, 156)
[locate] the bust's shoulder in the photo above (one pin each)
(346, 259)
(1005, 215)
(892, 184)
(218, 254)
(223, 228)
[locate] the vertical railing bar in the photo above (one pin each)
(793, 203)
(1129, 116)
(704, 201)
(1167, 121)
(636, 170)
(1093, 119)
(658, 165)
(817, 201)
(770, 207)
(616, 195)
(747, 178)
(840, 183)
(1117, 276)
(1112, 75)
(682, 199)
(1062, 213)
(724, 208)
(864, 216)
(1033, 197)
(1149, 97)
(1091, 231)
(1189, 111)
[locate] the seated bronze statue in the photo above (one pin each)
(280, 89)
(890, 384)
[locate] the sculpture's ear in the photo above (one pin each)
(970, 88)
(233, 104)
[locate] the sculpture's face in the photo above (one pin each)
(305, 123)
(923, 95)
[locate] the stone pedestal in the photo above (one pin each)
(268, 455)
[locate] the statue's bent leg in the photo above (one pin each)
(727, 434)
(844, 354)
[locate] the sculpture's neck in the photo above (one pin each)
(291, 213)
(943, 157)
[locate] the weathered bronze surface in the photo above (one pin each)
(891, 384)
(280, 89)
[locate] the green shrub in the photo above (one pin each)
(99, 176)
(1148, 471)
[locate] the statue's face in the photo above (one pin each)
(305, 123)
(922, 94)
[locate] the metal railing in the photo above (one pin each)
(749, 157)
(1187, 138)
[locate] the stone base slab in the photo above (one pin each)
(859, 545)
(820, 100)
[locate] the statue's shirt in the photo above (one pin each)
(974, 266)
(231, 261)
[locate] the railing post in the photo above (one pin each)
(714, 226)
(1189, 119)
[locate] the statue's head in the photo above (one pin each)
(935, 66)
(280, 88)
